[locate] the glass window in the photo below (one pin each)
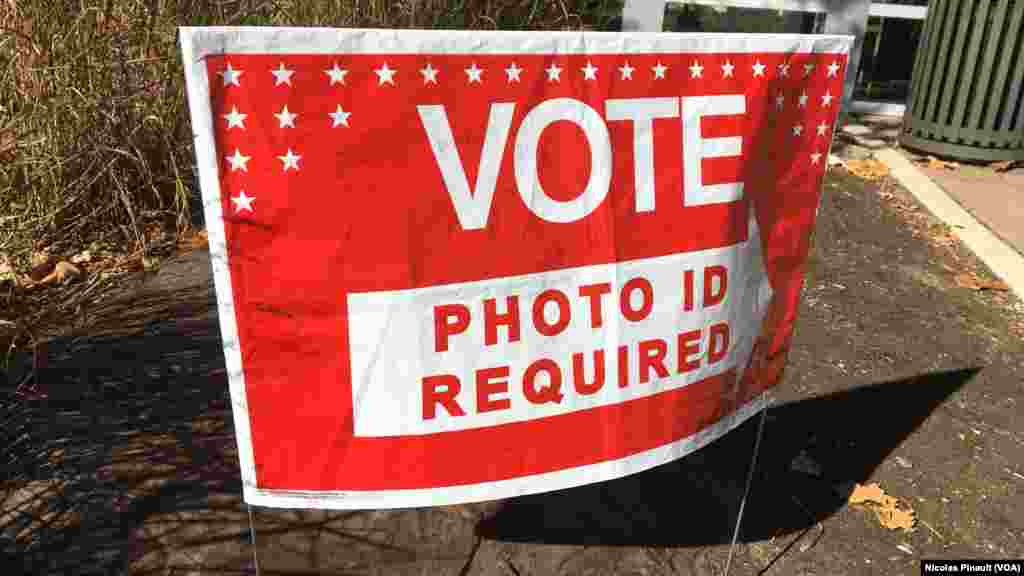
(695, 18)
(887, 58)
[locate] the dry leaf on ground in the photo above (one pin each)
(869, 169)
(194, 241)
(6, 271)
(895, 518)
(868, 493)
(40, 257)
(81, 258)
(1004, 166)
(891, 513)
(997, 285)
(934, 162)
(972, 282)
(965, 280)
(62, 271)
(43, 264)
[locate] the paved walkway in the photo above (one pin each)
(996, 199)
(983, 205)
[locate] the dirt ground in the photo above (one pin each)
(901, 373)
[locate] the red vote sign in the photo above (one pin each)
(458, 266)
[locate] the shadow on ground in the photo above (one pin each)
(128, 464)
(694, 501)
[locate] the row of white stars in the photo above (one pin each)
(240, 161)
(826, 100)
(474, 74)
(286, 118)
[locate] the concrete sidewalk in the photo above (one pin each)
(996, 199)
(984, 205)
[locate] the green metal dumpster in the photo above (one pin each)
(967, 89)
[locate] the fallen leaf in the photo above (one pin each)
(895, 518)
(867, 493)
(195, 241)
(891, 513)
(904, 462)
(937, 164)
(869, 169)
(972, 282)
(966, 280)
(43, 264)
(62, 271)
(1004, 166)
(82, 258)
(997, 285)
(40, 257)
(7, 274)
(128, 263)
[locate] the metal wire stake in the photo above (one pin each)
(252, 539)
(746, 491)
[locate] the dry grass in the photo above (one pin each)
(95, 142)
(94, 136)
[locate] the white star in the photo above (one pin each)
(780, 101)
(238, 161)
(659, 70)
(286, 118)
(554, 73)
(826, 99)
(513, 73)
(337, 74)
(385, 75)
(803, 100)
(243, 202)
(474, 74)
(808, 68)
(696, 69)
(589, 71)
(230, 75)
(783, 70)
(833, 69)
(822, 128)
(798, 130)
(727, 69)
(815, 158)
(282, 75)
(235, 119)
(291, 160)
(429, 74)
(627, 71)
(340, 117)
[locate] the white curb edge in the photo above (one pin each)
(1002, 259)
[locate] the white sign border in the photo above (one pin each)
(198, 43)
